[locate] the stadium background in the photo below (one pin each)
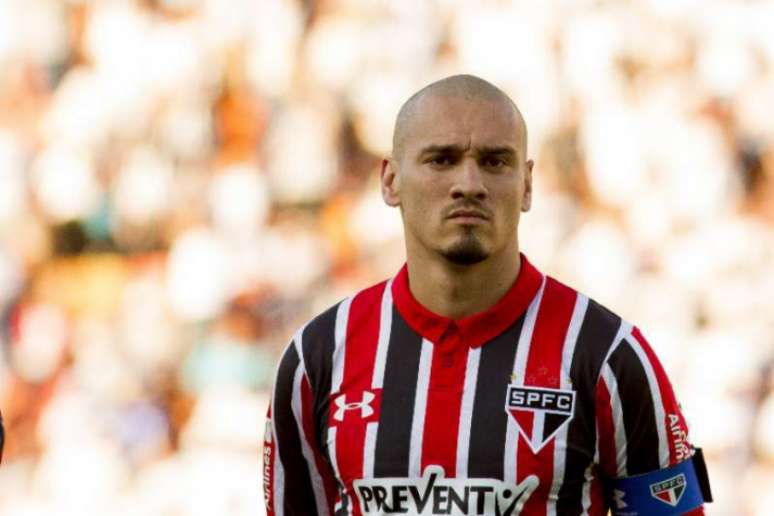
(183, 182)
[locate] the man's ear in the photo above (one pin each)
(526, 200)
(390, 182)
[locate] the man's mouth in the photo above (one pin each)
(468, 215)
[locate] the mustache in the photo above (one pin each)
(468, 204)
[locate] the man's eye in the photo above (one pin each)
(441, 160)
(495, 162)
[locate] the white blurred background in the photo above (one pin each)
(184, 182)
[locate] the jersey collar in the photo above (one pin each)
(475, 329)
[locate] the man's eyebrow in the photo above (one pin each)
(440, 149)
(497, 150)
(504, 149)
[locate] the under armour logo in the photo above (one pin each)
(618, 499)
(364, 405)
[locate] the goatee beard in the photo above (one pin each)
(466, 251)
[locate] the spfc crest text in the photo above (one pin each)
(539, 412)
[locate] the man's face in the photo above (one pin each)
(461, 178)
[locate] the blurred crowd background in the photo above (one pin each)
(184, 182)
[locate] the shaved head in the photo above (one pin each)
(468, 87)
(460, 176)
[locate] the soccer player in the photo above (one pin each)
(470, 382)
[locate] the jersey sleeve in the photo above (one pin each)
(296, 478)
(640, 426)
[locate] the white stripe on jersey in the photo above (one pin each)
(369, 449)
(658, 405)
(318, 487)
(588, 478)
(340, 337)
(525, 339)
(420, 407)
(385, 325)
(278, 473)
(568, 351)
(334, 463)
(519, 369)
(466, 410)
(332, 450)
(624, 330)
(571, 339)
(337, 377)
(377, 381)
(617, 411)
(297, 342)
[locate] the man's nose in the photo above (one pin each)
(469, 181)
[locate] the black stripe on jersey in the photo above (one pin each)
(490, 421)
(393, 439)
(318, 343)
(295, 466)
(595, 339)
(639, 415)
(344, 508)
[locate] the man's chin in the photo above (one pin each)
(466, 253)
(465, 260)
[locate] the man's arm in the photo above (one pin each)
(296, 479)
(644, 451)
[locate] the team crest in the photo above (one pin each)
(539, 412)
(670, 490)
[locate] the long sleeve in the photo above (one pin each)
(296, 478)
(640, 426)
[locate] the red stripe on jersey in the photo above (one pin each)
(309, 434)
(676, 427)
(605, 430)
(359, 358)
(544, 369)
(444, 401)
(597, 505)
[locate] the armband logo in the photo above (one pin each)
(670, 490)
(618, 499)
(539, 412)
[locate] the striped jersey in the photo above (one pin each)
(383, 407)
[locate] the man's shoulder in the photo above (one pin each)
(324, 323)
(601, 314)
(315, 341)
(598, 331)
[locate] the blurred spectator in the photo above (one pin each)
(183, 182)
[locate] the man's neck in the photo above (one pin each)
(458, 291)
